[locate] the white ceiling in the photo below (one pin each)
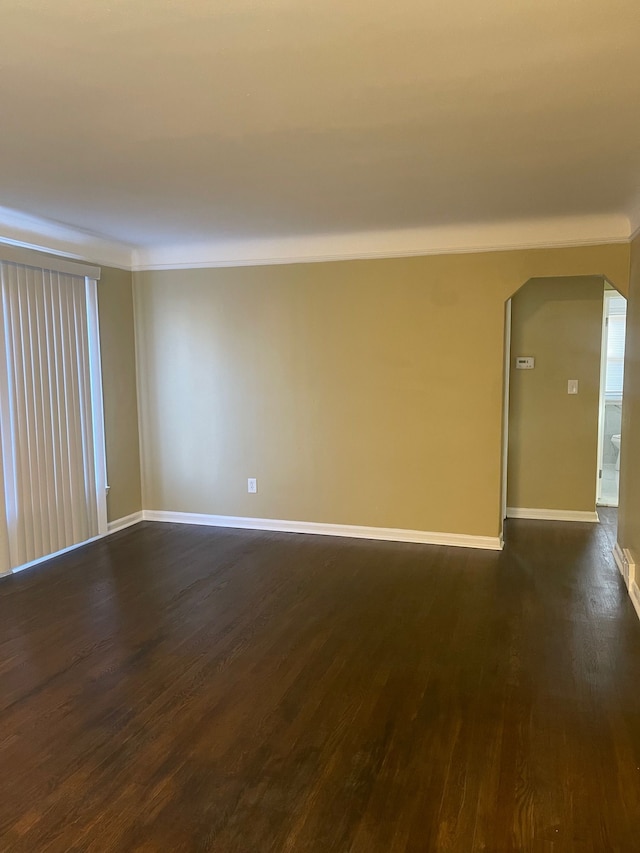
(156, 122)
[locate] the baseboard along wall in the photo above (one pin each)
(622, 557)
(389, 534)
(627, 568)
(552, 514)
(125, 521)
(621, 563)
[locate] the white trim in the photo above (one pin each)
(506, 382)
(621, 563)
(32, 258)
(125, 521)
(634, 594)
(113, 527)
(390, 534)
(552, 514)
(604, 335)
(46, 557)
(634, 221)
(558, 232)
(46, 235)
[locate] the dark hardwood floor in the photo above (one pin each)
(175, 688)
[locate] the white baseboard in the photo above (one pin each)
(125, 521)
(112, 527)
(47, 557)
(390, 534)
(621, 563)
(627, 568)
(634, 593)
(552, 514)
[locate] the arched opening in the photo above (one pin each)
(556, 464)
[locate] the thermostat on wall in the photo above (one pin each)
(525, 362)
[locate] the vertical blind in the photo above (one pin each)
(50, 414)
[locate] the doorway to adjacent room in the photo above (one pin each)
(610, 412)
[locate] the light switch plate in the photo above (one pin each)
(572, 386)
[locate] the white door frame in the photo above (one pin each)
(601, 399)
(505, 412)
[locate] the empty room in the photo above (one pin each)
(319, 426)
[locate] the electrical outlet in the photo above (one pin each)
(252, 485)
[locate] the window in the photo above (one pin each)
(52, 480)
(616, 314)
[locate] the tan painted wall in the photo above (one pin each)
(361, 392)
(629, 514)
(553, 436)
(117, 348)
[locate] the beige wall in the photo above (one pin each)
(117, 347)
(361, 392)
(629, 515)
(553, 436)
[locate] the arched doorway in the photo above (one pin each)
(554, 426)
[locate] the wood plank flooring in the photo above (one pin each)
(175, 688)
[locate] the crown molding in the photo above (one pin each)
(634, 223)
(440, 240)
(46, 235)
(43, 235)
